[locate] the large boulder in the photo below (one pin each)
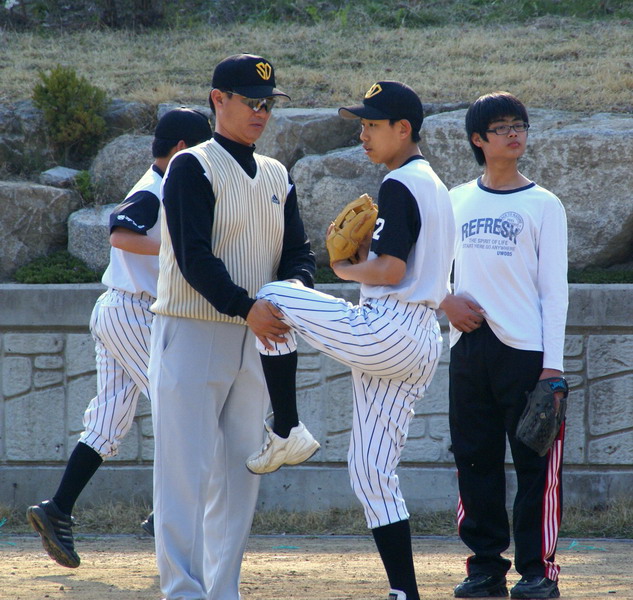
(293, 133)
(585, 160)
(326, 183)
(23, 148)
(32, 222)
(119, 165)
(89, 235)
(59, 177)
(123, 116)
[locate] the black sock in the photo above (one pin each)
(394, 546)
(82, 465)
(281, 379)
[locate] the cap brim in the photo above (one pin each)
(362, 111)
(259, 91)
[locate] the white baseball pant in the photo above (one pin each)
(120, 325)
(209, 399)
(392, 349)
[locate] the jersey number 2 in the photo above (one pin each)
(380, 223)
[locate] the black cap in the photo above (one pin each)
(183, 124)
(247, 75)
(388, 100)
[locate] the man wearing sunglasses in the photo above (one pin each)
(230, 224)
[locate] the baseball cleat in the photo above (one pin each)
(535, 587)
(276, 451)
(148, 524)
(481, 585)
(397, 595)
(55, 529)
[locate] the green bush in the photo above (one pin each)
(326, 275)
(595, 275)
(59, 267)
(589, 275)
(84, 186)
(73, 112)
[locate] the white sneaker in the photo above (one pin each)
(276, 451)
(397, 595)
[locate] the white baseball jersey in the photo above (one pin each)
(126, 271)
(121, 321)
(429, 257)
(511, 258)
(391, 340)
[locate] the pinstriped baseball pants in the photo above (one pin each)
(120, 325)
(392, 349)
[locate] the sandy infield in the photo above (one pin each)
(292, 568)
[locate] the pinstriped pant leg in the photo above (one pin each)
(392, 349)
(383, 337)
(110, 413)
(382, 412)
(120, 326)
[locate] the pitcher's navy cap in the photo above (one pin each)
(247, 75)
(388, 100)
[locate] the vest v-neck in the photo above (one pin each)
(243, 155)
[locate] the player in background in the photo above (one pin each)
(120, 325)
(507, 316)
(230, 224)
(391, 340)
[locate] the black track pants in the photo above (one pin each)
(488, 381)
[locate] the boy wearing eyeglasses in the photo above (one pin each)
(507, 329)
(230, 224)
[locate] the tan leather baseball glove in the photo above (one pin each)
(350, 228)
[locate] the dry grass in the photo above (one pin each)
(609, 521)
(558, 63)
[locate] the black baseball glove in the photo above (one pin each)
(540, 422)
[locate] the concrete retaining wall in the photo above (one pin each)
(48, 377)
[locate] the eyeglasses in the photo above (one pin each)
(505, 129)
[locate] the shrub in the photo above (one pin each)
(326, 275)
(84, 186)
(597, 275)
(59, 267)
(73, 112)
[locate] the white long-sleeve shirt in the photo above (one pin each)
(511, 258)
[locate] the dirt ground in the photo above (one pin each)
(292, 568)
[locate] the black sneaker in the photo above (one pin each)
(481, 585)
(55, 530)
(148, 524)
(535, 587)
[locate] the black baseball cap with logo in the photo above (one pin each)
(247, 75)
(183, 124)
(388, 100)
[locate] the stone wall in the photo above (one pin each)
(48, 377)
